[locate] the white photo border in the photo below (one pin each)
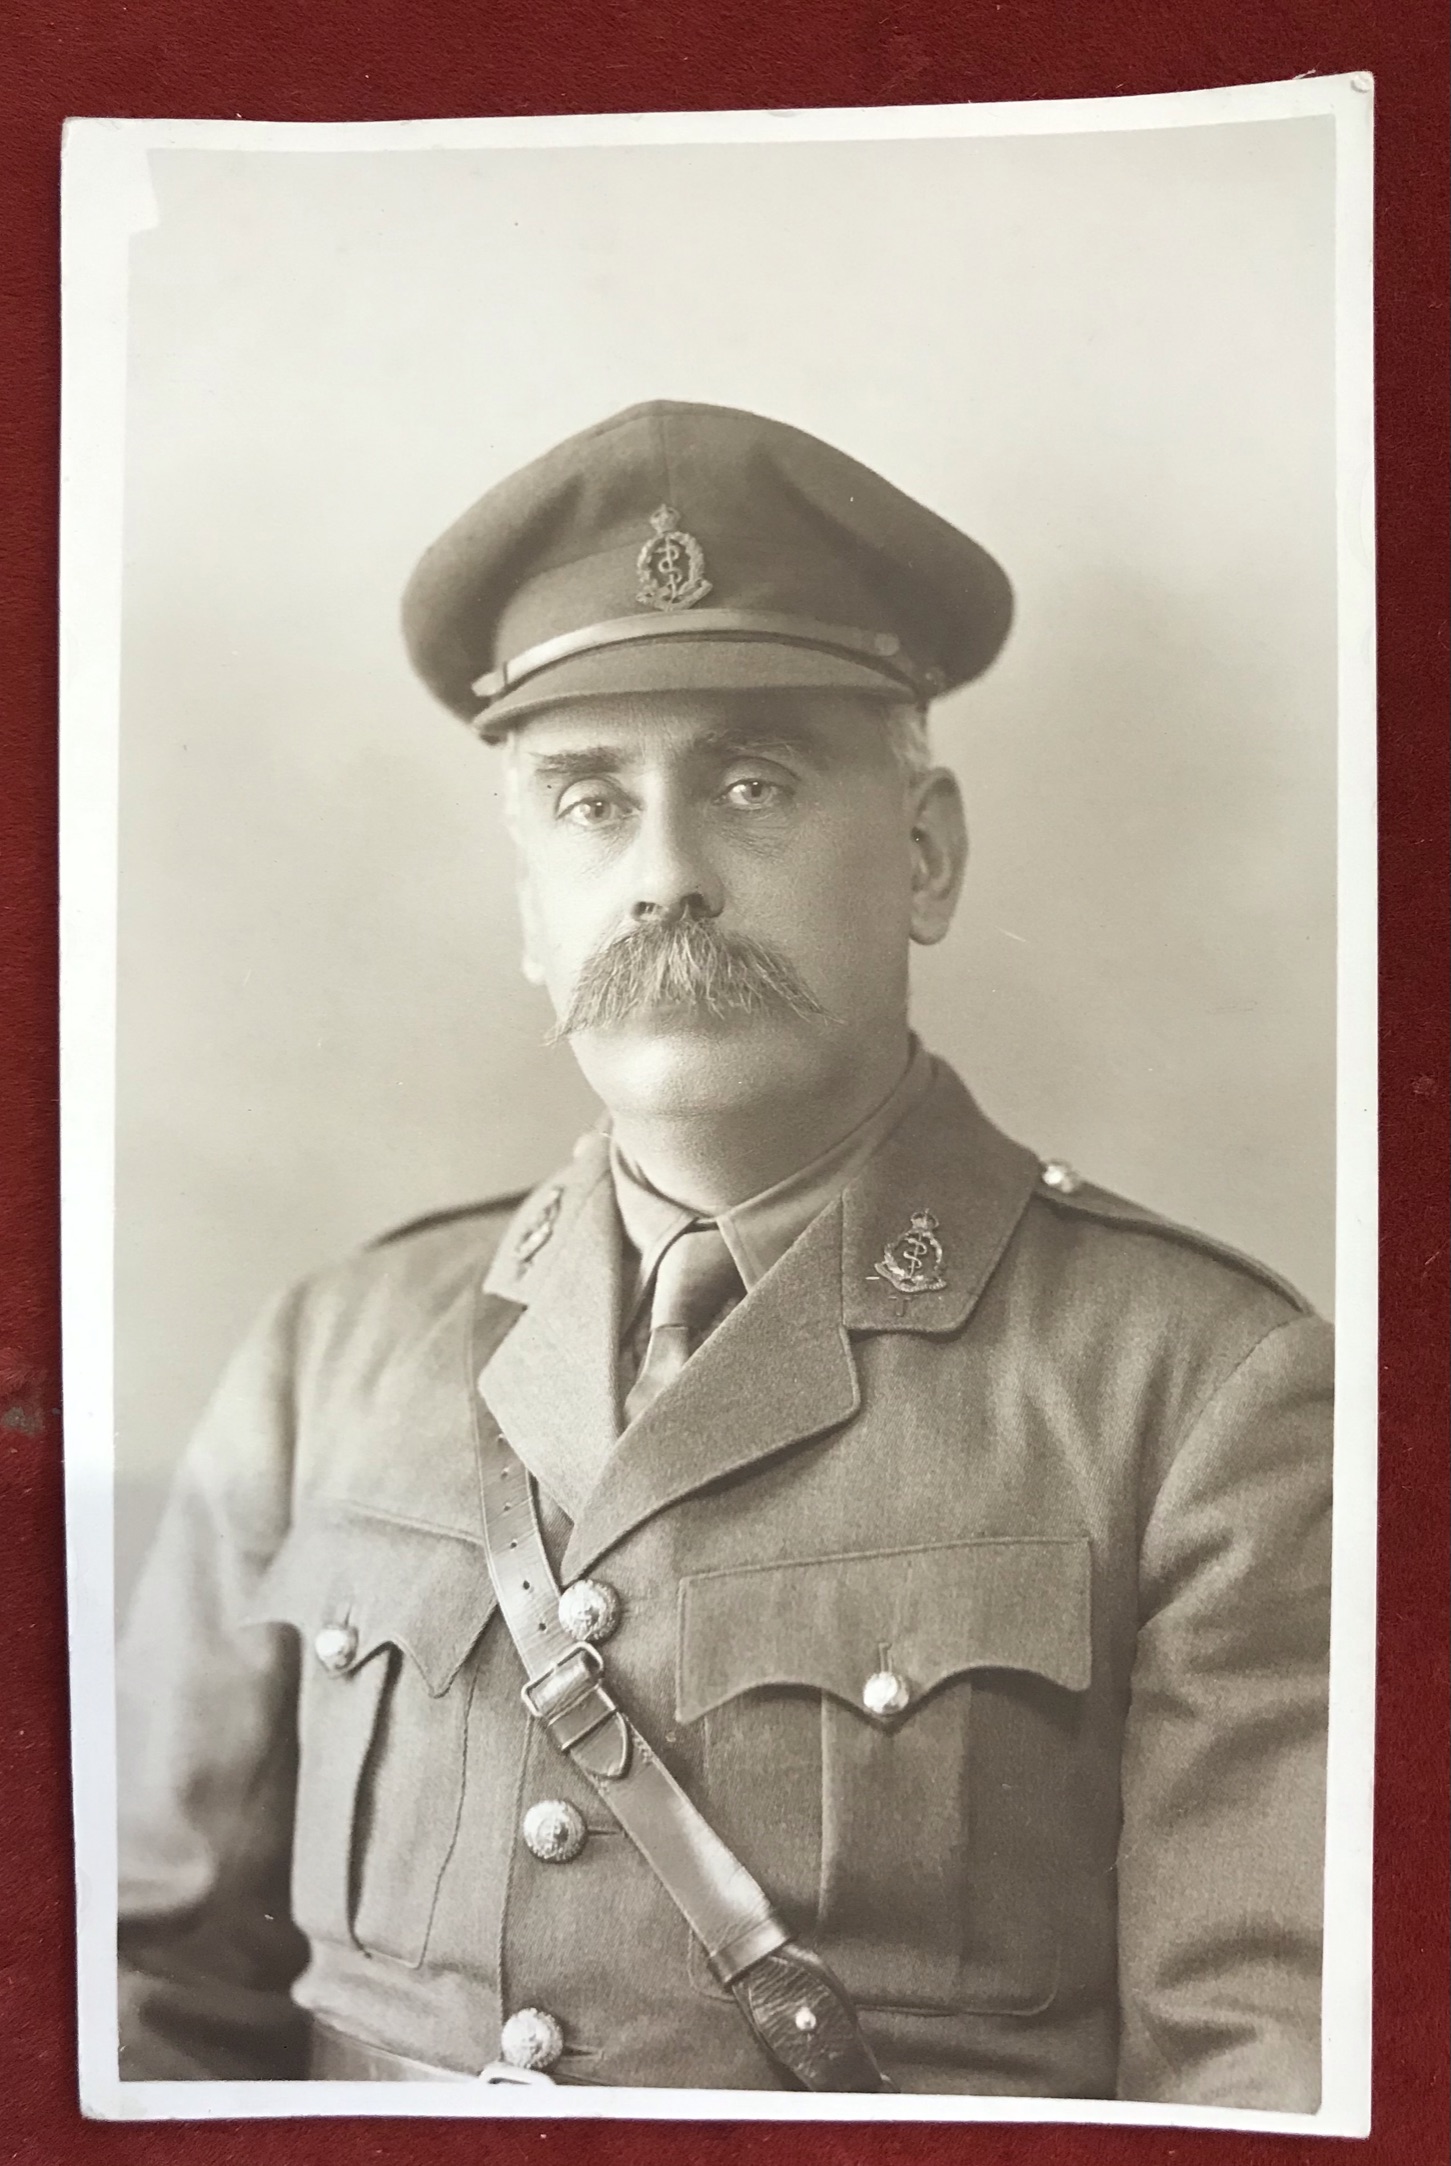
(107, 198)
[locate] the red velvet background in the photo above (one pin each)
(385, 59)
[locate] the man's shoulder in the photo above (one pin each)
(1125, 1242)
(1086, 1245)
(475, 1238)
(419, 1266)
(456, 1222)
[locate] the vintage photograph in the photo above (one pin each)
(718, 903)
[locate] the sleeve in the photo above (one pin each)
(206, 1752)
(1221, 1853)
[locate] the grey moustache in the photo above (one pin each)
(683, 963)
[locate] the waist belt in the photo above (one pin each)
(798, 2011)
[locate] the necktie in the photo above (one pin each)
(693, 1280)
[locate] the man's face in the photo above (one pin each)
(779, 821)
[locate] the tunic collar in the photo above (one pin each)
(778, 1372)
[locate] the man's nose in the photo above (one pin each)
(671, 872)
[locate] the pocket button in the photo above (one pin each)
(335, 1647)
(885, 1693)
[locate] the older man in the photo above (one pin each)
(811, 1594)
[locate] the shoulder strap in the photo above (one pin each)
(451, 1215)
(1068, 1192)
(797, 2010)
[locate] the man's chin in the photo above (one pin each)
(686, 1060)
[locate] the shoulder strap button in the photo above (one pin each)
(1060, 1177)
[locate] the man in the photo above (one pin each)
(914, 1558)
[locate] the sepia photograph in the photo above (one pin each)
(718, 913)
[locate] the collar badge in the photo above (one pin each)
(539, 1231)
(671, 565)
(913, 1262)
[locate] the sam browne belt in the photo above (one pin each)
(797, 2010)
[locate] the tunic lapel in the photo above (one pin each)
(551, 1384)
(778, 1370)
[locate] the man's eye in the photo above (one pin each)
(588, 808)
(753, 791)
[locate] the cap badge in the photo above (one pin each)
(539, 1230)
(671, 565)
(913, 1262)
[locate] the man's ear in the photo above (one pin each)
(939, 853)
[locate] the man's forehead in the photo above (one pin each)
(634, 725)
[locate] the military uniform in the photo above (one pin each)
(1075, 1500)
(971, 1576)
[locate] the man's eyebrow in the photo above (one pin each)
(587, 760)
(768, 741)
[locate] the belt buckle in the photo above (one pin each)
(501, 2072)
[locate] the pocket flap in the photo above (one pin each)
(928, 1614)
(384, 1584)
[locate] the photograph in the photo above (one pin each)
(718, 1090)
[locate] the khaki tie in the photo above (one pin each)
(693, 1281)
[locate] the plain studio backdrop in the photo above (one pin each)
(1109, 357)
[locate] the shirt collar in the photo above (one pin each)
(759, 1231)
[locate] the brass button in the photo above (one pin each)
(885, 1693)
(554, 1830)
(531, 2038)
(1057, 1175)
(589, 1610)
(335, 1647)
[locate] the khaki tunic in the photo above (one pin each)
(1077, 1498)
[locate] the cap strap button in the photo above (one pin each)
(1061, 1177)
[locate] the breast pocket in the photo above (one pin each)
(387, 1616)
(886, 1744)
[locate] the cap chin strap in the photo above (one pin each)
(881, 651)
